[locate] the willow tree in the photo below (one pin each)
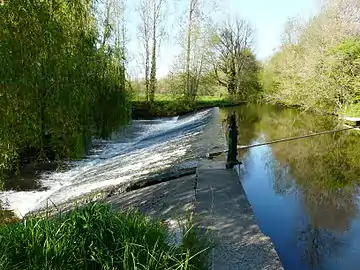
(57, 83)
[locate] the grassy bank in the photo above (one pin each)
(352, 110)
(165, 105)
(96, 237)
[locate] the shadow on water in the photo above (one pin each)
(28, 177)
(305, 192)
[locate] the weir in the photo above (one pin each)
(215, 197)
(141, 152)
(222, 208)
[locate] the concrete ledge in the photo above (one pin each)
(223, 208)
(171, 200)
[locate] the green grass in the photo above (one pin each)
(351, 110)
(96, 237)
(167, 105)
(169, 97)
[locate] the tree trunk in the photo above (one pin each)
(188, 51)
(147, 63)
(153, 60)
(232, 78)
(153, 73)
(197, 79)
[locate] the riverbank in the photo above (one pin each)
(179, 200)
(302, 108)
(165, 108)
(97, 237)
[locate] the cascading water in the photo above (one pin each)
(142, 148)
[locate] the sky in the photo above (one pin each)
(267, 17)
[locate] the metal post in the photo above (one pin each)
(231, 160)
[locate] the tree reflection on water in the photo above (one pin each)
(323, 170)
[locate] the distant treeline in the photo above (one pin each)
(318, 64)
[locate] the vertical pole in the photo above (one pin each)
(231, 160)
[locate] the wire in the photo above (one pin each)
(242, 147)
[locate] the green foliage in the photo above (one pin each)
(343, 68)
(318, 70)
(249, 87)
(55, 84)
(234, 62)
(96, 237)
(174, 85)
(166, 105)
(352, 110)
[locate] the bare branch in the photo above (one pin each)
(234, 40)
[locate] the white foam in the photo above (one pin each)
(133, 154)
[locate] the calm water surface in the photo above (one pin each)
(304, 193)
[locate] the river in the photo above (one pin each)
(143, 148)
(304, 193)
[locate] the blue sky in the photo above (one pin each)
(267, 17)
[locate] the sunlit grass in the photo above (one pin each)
(170, 97)
(351, 110)
(96, 237)
(168, 105)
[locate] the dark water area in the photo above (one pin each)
(304, 193)
(28, 176)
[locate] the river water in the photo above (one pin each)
(143, 148)
(304, 193)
